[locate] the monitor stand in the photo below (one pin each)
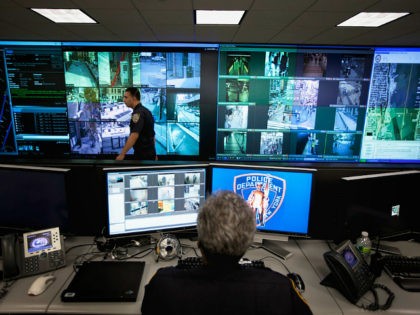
(273, 244)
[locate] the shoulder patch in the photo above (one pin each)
(135, 117)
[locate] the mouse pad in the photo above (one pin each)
(105, 281)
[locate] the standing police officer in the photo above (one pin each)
(142, 133)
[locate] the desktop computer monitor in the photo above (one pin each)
(146, 200)
(281, 197)
(34, 198)
(385, 204)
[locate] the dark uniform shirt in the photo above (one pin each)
(142, 122)
(211, 291)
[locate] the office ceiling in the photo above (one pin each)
(266, 21)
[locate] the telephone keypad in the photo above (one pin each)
(56, 258)
(31, 264)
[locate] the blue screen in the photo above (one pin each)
(280, 198)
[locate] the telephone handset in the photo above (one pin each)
(350, 274)
(39, 252)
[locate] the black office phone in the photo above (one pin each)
(33, 253)
(350, 274)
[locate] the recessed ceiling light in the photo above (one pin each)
(372, 19)
(218, 17)
(65, 15)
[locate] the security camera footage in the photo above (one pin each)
(318, 104)
(263, 103)
(68, 101)
(169, 84)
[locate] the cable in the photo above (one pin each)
(278, 260)
(81, 245)
(5, 289)
(375, 306)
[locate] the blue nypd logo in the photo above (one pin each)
(263, 192)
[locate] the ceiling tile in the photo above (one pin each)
(88, 31)
(410, 39)
(46, 4)
(269, 18)
(173, 33)
(8, 4)
(174, 17)
(325, 19)
(396, 6)
(296, 34)
(254, 35)
(282, 5)
(115, 16)
(26, 15)
(218, 34)
(162, 4)
(337, 35)
(222, 4)
(104, 4)
(349, 6)
(133, 33)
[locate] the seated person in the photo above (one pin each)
(226, 227)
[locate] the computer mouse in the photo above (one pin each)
(297, 280)
(40, 284)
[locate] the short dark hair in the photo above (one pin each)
(134, 92)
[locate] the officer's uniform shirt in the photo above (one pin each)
(142, 122)
(229, 291)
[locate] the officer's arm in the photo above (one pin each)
(128, 145)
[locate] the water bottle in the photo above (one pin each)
(364, 245)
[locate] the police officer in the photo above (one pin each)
(142, 133)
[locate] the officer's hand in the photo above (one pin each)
(120, 157)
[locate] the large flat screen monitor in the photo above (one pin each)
(291, 103)
(33, 198)
(65, 99)
(280, 197)
(318, 104)
(145, 200)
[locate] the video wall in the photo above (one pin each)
(213, 101)
(67, 99)
(318, 104)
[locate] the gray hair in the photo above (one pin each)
(226, 224)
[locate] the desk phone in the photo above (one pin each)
(40, 251)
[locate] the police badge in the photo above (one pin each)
(135, 117)
(263, 192)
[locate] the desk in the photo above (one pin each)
(404, 303)
(307, 260)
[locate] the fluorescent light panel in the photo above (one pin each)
(372, 19)
(65, 15)
(218, 17)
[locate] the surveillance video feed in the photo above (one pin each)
(169, 84)
(291, 104)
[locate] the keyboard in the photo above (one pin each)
(197, 262)
(404, 270)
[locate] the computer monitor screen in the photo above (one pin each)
(169, 79)
(291, 103)
(280, 197)
(383, 204)
(392, 123)
(33, 198)
(154, 199)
